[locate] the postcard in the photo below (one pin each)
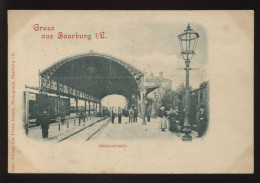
(134, 92)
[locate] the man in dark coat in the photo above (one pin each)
(125, 113)
(119, 115)
(113, 114)
(81, 117)
(135, 114)
(62, 116)
(202, 121)
(172, 116)
(44, 119)
(148, 112)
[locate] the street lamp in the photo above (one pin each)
(188, 42)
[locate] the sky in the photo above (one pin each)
(148, 42)
(114, 101)
(108, 101)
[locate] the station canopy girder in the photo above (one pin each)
(97, 75)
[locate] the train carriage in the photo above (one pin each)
(56, 106)
(197, 97)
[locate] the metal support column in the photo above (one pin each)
(89, 108)
(143, 107)
(95, 108)
(77, 107)
(100, 108)
(85, 106)
(139, 109)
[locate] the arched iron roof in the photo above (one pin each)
(96, 74)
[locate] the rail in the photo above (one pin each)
(98, 121)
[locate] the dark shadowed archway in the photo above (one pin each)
(91, 76)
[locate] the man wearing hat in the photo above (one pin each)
(135, 114)
(44, 119)
(113, 115)
(202, 121)
(148, 112)
(162, 116)
(119, 115)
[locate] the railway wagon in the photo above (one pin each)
(73, 109)
(56, 107)
(196, 98)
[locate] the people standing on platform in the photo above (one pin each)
(172, 118)
(44, 119)
(81, 117)
(62, 118)
(115, 110)
(112, 115)
(182, 116)
(178, 123)
(126, 114)
(162, 116)
(119, 115)
(135, 114)
(202, 123)
(131, 115)
(148, 112)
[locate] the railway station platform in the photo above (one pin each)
(101, 128)
(57, 133)
(137, 131)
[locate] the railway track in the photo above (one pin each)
(102, 126)
(89, 131)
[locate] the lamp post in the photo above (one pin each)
(188, 42)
